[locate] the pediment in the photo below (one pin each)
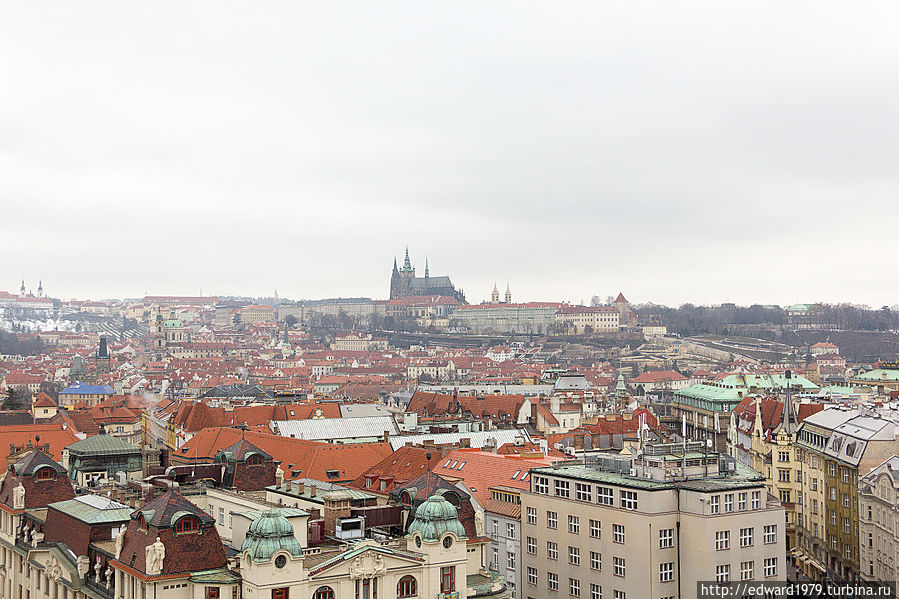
(368, 559)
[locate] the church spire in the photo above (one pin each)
(23, 287)
(508, 294)
(394, 264)
(494, 296)
(427, 274)
(407, 264)
(789, 422)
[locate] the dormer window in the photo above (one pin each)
(254, 460)
(186, 525)
(141, 522)
(45, 473)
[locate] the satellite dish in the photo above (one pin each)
(708, 443)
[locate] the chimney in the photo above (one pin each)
(311, 490)
(301, 487)
(465, 441)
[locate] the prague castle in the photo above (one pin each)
(404, 283)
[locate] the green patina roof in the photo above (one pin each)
(878, 374)
(103, 445)
(173, 323)
(94, 509)
(270, 533)
(434, 517)
(710, 393)
(767, 381)
(215, 576)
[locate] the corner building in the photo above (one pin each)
(648, 527)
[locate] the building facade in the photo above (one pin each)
(648, 528)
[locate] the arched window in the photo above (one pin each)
(407, 587)
(323, 593)
(254, 459)
(142, 522)
(45, 473)
(187, 524)
(405, 498)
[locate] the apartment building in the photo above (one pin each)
(836, 447)
(648, 527)
(878, 523)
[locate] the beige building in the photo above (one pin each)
(878, 523)
(577, 320)
(648, 528)
(835, 448)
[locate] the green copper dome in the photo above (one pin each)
(435, 517)
(269, 533)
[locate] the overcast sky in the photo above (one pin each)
(676, 151)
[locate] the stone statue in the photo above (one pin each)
(26, 534)
(52, 568)
(155, 557)
(279, 476)
(36, 537)
(108, 576)
(18, 497)
(479, 522)
(356, 569)
(84, 565)
(98, 568)
(120, 541)
(380, 566)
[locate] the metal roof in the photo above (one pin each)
(94, 509)
(478, 439)
(103, 445)
(323, 429)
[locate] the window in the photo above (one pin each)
(595, 591)
(847, 527)
(574, 556)
(666, 538)
(666, 571)
(45, 473)
(845, 474)
(562, 488)
(783, 476)
(552, 581)
(722, 573)
(596, 561)
(628, 500)
(552, 519)
(605, 496)
(574, 587)
(595, 529)
(320, 593)
(833, 493)
(574, 525)
(747, 570)
(541, 485)
(833, 470)
(783, 456)
(532, 515)
(407, 587)
(770, 532)
(510, 530)
(618, 533)
(532, 545)
(618, 566)
(756, 499)
(532, 575)
(187, 524)
(770, 566)
(746, 537)
(510, 560)
(715, 504)
(447, 579)
(722, 540)
(833, 517)
(212, 592)
(552, 550)
(728, 503)
(254, 459)
(221, 516)
(583, 492)
(845, 500)
(619, 594)
(784, 495)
